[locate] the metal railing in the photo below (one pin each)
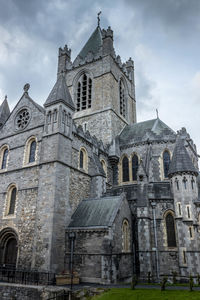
(9, 273)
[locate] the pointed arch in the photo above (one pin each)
(83, 87)
(8, 247)
(134, 162)
(30, 151)
(125, 236)
(125, 169)
(4, 151)
(83, 159)
(11, 198)
(170, 229)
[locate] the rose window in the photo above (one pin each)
(22, 119)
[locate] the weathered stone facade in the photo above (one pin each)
(81, 164)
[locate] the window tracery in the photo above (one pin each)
(84, 92)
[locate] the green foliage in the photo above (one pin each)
(147, 294)
(198, 279)
(163, 283)
(134, 282)
(191, 283)
(149, 277)
(174, 274)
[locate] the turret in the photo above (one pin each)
(59, 109)
(4, 112)
(107, 37)
(64, 59)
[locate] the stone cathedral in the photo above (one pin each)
(81, 164)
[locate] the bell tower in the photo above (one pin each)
(101, 86)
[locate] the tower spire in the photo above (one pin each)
(98, 18)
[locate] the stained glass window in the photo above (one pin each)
(125, 169)
(171, 237)
(134, 166)
(12, 201)
(32, 151)
(4, 159)
(166, 162)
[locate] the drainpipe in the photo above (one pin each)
(153, 204)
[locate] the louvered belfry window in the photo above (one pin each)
(171, 236)
(84, 92)
(122, 99)
(166, 162)
(125, 169)
(134, 166)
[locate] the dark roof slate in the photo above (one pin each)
(98, 212)
(181, 161)
(93, 44)
(148, 130)
(60, 93)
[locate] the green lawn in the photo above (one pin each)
(141, 294)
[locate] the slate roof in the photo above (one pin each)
(98, 212)
(181, 161)
(60, 93)
(4, 111)
(93, 44)
(152, 129)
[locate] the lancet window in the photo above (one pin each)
(125, 169)
(134, 166)
(166, 162)
(170, 227)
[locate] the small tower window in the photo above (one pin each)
(55, 114)
(134, 166)
(32, 151)
(166, 162)
(192, 183)
(185, 183)
(177, 184)
(184, 257)
(188, 211)
(125, 169)
(49, 117)
(4, 158)
(122, 98)
(171, 236)
(83, 159)
(84, 93)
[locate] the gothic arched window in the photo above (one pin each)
(83, 159)
(170, 227)
(122, 98)
(32, 151)
(11, 200)
(125, 169)
(126, 236)
(4, 157)
(134, 166)
(8, 247)
(84, 92)
(166, 162)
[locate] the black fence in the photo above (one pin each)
(8, 273)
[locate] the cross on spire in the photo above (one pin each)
(98, 18)
(157, 113)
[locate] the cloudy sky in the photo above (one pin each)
(162, 37)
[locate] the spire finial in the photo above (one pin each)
(98, 18)
(5, 97)
(26, 87)
(157, 113)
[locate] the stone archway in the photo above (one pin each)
(8, 247)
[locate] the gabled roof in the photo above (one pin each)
(60, 93)
(99, 212)
(4, 111)
(93, 44)
(181, 161)
(148, 130)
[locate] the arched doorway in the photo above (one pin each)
(8, 247)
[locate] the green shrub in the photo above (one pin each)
(191, 283)
(163, 283)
